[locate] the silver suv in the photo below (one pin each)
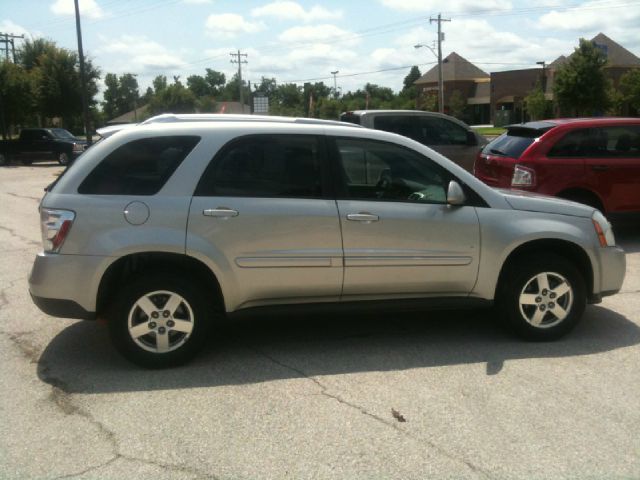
(163, 227)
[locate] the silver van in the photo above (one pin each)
(446, 135)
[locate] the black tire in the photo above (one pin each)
(195, 308)
(542, 318)
(586, 199)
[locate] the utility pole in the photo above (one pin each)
(440, 79)
(83, 83)
(335, 84)
(239, 61)
(8, 38)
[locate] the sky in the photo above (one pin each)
(296, 41)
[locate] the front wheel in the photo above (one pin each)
(542, 297)
(63, 158)
(160, 321)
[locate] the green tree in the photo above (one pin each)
(198, 85)
(457, 104)
(216, 81)
(110, 103)
(128, 93)
(159, 83)
(580, 86)
(536, 103)
(630, 89)
(32, 51)
(174, 98)
(16, 95)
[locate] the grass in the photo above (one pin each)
(490, 130)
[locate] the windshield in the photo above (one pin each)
(62, 133)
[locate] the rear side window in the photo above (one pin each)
(140, 167)
(513, 143)
(286, 166)
(615, 142)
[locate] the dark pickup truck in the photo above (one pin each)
(42, 144)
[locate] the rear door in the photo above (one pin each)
(400, 237)
(613, 166)
(265, 214)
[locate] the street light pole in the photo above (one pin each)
(440, 86)
(335, 85)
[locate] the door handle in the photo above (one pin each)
(220, 212)
(599, 168)
(362, 217)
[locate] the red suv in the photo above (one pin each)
(590, 160)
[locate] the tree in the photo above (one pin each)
(159, 83)
(409, 91)
(16, 95)
(110, 103)
(128, 94)
(457, 104)
(630, 89)
(536, 103)
(580, 85)
(198, 85)
(216, 81)
(174, 98)
(32, 51)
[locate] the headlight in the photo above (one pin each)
(522, 177)
(603, 230)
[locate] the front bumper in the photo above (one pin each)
(66, 285)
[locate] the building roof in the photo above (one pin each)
(454, 67)
(134, 116)
(617, 55)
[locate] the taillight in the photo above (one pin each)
(55, 226)
(523, 177)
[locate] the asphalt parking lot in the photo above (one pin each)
(417, 395)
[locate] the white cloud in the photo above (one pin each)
(10, 27)
(230, 25)
(319, 33)
(197, 2)
(137, 52)
(88, 8)
(289, 10)
(590, 18)
(458, 6)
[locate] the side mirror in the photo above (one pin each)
(455, 194)
(472, 138)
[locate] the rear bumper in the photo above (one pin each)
(66, 285)
(62, 308)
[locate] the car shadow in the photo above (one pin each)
(262, 349)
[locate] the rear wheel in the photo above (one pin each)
(160, 321)
(542, 297)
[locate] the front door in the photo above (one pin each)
(263, 215)
(399, 235)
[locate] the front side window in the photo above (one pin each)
(374, 170)
(140, 167)
(286, 166)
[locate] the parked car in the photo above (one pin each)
(163, 227)
(595, 161)
(446, 135)
(42, 144)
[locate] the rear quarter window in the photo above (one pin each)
(140, 167)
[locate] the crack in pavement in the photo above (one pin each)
(13, 233)
(63, 400)
(364, 411)
(23, 196)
